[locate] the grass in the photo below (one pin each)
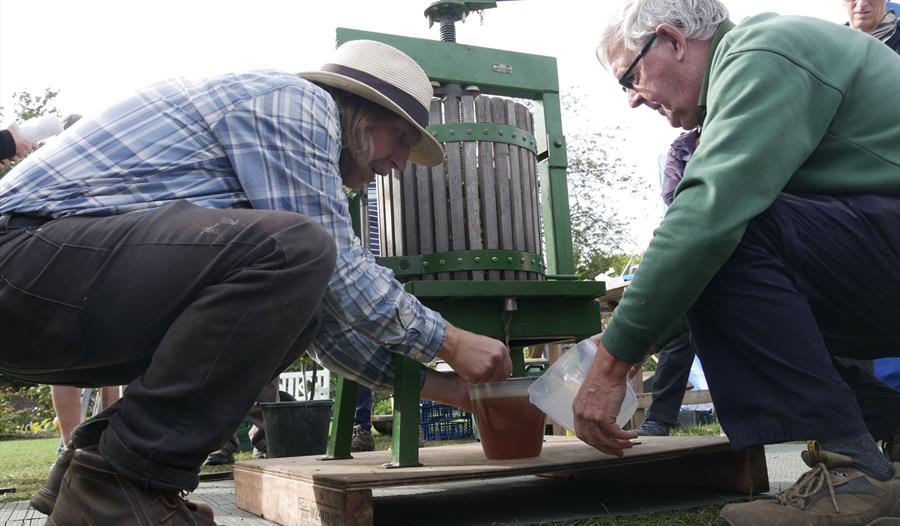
(703, 516)
(24, 464)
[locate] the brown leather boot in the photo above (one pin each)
(93, 493)
(45, 498)
(87, 434)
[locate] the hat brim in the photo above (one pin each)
(426, 151)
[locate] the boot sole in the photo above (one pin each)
(44, 501)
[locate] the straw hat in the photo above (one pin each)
(390, 78)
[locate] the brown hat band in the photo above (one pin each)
(401, 98)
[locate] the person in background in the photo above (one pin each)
(13, 145)
(362, 421)
(190, 242)
(873, 17)
(792, 184)
(669, 384)
(676, 358)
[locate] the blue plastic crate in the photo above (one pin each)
(444, 422)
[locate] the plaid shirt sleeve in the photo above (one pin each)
(284, 147)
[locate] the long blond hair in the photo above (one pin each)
(358, 115)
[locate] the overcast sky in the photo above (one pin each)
(97, 51)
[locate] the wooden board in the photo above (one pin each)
(690, 398)
(306, 491)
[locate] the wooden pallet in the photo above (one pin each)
(307, 491)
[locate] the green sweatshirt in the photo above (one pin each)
(793, 104)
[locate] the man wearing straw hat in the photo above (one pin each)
(780, 246)
(193, 240)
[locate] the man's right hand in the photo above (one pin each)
(474, 357)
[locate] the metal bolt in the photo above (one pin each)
(486, 131)
(452, 132)
(459, 260)
(500, 133)
(509, 304)
(434, 134)
(514, 136)
(521, 260)
(509, 259)
(494, 259)
(469, 131)
(477, 260)
(558, 143)
(442, 262)
(425, 263)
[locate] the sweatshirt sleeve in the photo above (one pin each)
(765, 115)
(7, 145)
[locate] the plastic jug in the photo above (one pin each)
(554, 391)
(40, 128)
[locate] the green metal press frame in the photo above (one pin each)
(545, 311)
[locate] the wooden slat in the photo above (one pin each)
(396, 200)
(501, 175)
(743, 471)
(424, 214)
(410, 222)
(304, 490)
(536, 193)
(487, 189)
(292, 502)
(528, 203)
(467, 462)
(439, 196)
(385, 228)
(515, 187)
(455, 184)
(470, 180)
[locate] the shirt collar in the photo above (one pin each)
(723, 28)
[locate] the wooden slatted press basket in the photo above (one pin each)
(477, 215)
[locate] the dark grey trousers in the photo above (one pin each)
(194, 309)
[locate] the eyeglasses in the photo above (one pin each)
(624, 80)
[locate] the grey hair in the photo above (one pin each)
(633, 23)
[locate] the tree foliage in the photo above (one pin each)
(29, 106)
(599, 181)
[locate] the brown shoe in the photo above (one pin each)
(93, 493)
(45, 497)
(87, 434)
(833, 493)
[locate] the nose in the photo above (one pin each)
(635, 99)
(399, 156)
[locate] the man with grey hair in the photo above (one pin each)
(794, 189)
(873, 17)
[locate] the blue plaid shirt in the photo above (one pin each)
(266, 140)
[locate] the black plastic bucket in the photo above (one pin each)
(296, 429)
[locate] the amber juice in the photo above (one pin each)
(509, 426)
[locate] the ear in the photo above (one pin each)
(672, 36)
